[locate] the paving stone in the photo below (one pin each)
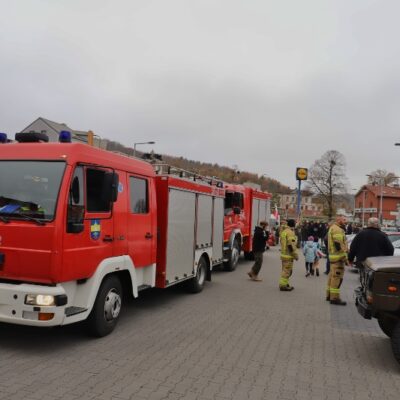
(236, 340)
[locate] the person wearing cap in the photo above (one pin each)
(260, 238)
(371, 242)
(337, 248)
(288, 255)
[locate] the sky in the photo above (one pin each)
(265, 85)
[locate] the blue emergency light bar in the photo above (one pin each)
(65, 137)
(3, 137)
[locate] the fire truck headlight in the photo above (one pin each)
(40, 300)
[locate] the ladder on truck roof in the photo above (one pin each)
(162, 168)
(167, 169)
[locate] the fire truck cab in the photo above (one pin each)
(245, 207)
(80, 227)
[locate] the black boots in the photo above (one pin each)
(338, 302)
(286, 288)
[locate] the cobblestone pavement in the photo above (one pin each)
(237, 339)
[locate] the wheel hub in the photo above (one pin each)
(235, 256)
(201, 274)
(112, 305)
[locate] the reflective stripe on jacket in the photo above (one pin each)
(336, 238)
(288, 238)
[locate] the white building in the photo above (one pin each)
(52, 130)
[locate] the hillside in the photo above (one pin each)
(226, 174)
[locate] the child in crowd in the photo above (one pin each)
(318, 255)
(310, 254)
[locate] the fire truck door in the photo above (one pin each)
(120, 244)
(89, 231)
(140, 235)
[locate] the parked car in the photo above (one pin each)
(350, 238)
(379, 296)
(394, 237)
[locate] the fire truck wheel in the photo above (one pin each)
(196, 284)
(234, 259)
(395, 339)
(387, 325)
(106, 309)
(249, 256)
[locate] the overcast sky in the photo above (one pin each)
(265, 85)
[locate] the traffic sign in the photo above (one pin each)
(301, 174)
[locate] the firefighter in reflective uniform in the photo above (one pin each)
(288, 255)
(337, 249)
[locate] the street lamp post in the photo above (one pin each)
(354, 204)
(381, 202)
(363, 211)
(135, 144)
(381, 183)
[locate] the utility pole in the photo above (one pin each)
(363, 209)
(381, 201)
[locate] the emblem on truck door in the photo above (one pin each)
(95, 229)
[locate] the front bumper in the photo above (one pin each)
(363, 308)
(14, 310)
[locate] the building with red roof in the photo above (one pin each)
(368, 203)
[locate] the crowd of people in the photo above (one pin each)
(319, 240)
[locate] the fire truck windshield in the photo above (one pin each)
(233, 199)
(29, 189)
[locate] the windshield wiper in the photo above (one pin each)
(26, 217)
(29, 218)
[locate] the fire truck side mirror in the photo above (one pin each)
(110, 187)
(75, 227)
(75, 190)
(236, 210)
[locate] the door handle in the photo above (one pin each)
(108, 238)
(148, 235)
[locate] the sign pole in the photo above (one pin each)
(298, 199)
(301, 175)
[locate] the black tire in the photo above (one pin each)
(387, 324)
(196, 284)
(395, 339)
(234, 258)
(106, 309)
(249, 255)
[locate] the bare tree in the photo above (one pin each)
(327, 178)
(381, 175)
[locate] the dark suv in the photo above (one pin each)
(379, 296)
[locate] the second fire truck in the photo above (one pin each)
(245, 207)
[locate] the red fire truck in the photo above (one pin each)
(80, 227)
(245, 207)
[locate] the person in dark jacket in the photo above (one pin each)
(304, 233)
(370, 242)
(260, 239)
